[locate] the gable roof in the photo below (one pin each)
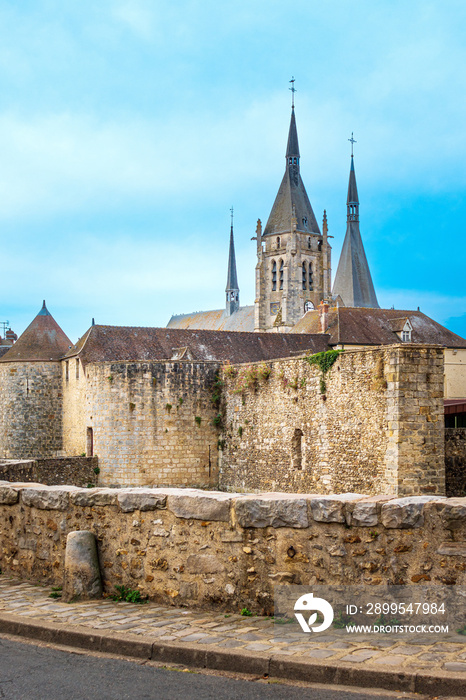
(126, 344)
(362, 326)
(42, 341)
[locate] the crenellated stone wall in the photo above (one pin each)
(227, 551)
(31, 410)
(373, 423)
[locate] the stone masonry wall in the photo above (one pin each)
(76, 471)
(30, 410)
(377, 428)
(212, 549)
(152, 422)
(455, 461)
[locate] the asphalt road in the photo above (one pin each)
(31, 672)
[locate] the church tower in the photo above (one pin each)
(353, 281)
(232, 289)
(293, 256)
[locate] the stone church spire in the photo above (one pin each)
(232, 289)
(353, 281)
(290, 268)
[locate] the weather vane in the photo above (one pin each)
(293, 90)
(352, 140)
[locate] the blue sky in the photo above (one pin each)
(128, 128)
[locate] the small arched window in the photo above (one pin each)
(319, 245)
(309, 243)
(304, 275)
(311, 287)
(297, 449)
(274, 276)
(281, 274)
(278, 242)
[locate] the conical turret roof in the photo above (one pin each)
(352, 187)
(292, 194)
(42, 341)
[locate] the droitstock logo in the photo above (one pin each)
(308, 604)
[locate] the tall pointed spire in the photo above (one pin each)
(353, 281)
(292, 191)
(232, 289)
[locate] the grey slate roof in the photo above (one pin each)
(217, 320)
(131, 344)
(232, 277)
(42, 341)
(353, 281)
(291, 193)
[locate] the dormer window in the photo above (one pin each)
(305, 221)
(406, 336)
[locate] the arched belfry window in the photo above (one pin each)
(304, 275)
(281, 274)
(274, 275)
(319, 245)
(311, 287)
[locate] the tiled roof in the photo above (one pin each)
(241, 320)
(121, 343)
(42, 341)
(361, 326)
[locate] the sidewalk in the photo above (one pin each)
(234, 643)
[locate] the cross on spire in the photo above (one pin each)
(352, 141)
(293, 90)
(231, 212)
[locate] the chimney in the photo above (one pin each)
(323, 316)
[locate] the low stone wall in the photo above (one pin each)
(78, 471)
(455, 461)
(212, 549)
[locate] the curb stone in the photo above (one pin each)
(215, 658)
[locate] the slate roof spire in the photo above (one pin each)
(292, 192)
(232, 289)
(353, 281)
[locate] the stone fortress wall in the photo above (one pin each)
(227, 551)
(31, 410)
(151, 422)
(375, 424)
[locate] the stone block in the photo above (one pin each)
(268, 512)
(94, 497)
(332, 509)
(364, 513)
(453, 513)
(140, 499)
(82, 573)
(215, 506)
(406, 512)
(46, 498)
(453, 549)
(204, 564)
(8, 496)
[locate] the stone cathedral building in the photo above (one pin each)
(293, 270)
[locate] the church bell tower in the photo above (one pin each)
(293, 256)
